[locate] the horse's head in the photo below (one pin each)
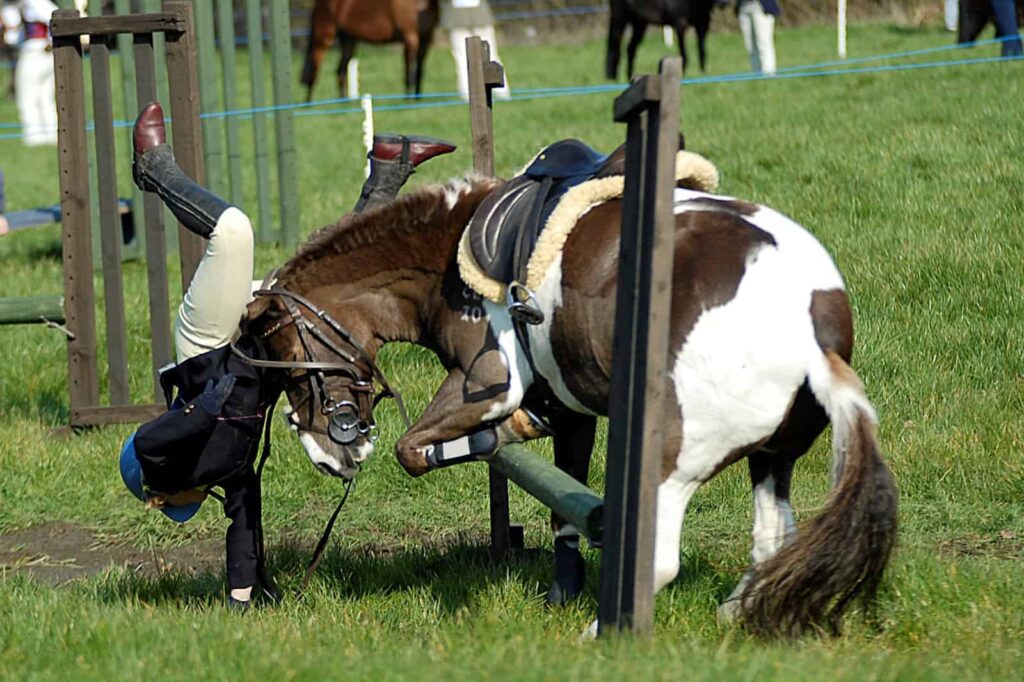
(326, 375)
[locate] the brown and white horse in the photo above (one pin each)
(761, 341)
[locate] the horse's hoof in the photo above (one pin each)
(590, 633)
(413, 460)
(560, 595)
(729, 612)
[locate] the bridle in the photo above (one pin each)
(347, 419)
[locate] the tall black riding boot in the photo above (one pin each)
(155, 170)
(393, 159)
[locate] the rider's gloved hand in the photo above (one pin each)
(214, 396)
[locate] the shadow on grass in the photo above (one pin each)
(49, 407)
(454, 574)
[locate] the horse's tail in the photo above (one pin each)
(323, 29)
(842, 553)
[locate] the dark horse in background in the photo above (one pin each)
(410, 22)
(975, 15)
(678, 14)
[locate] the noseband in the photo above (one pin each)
(347, 420)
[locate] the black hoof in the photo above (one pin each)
(570, 572)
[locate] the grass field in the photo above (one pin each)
(913, 182)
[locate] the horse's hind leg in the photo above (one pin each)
(616, 26)
(639, 28)
(574, 444)
(348, 50)
(770, 476)
(771, 469)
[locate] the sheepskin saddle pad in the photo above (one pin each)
(519, 230)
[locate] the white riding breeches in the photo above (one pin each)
(758, 28)
(34, 80)
(458, 36)
(220, 290)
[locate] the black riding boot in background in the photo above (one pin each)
(393, 159)
(155, 170)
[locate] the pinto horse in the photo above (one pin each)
(761, 339)
(637, 14)
(410, 22)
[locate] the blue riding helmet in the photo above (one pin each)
(131, 473)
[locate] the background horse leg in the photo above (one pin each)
(702, 36)
(412, 66)
(574, 444)
(322, 31)
(348, 49)
(616, 25)
(639, 28)
(681, 37)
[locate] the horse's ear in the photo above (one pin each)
(259, 312)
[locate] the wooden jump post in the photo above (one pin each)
(484, 76)
(175, 24)
(624, 521)
(650, 108)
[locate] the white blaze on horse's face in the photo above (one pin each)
(327, 455)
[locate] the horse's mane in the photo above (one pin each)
(425, 211)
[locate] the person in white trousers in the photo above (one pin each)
(757, 24)
(952, 14)
(37, 106)
(463, 19)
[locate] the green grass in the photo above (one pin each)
(911, 180)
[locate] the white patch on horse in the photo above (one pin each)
(739, 368)
(549, 298)
(454, 190)
(773, 521)
(520, 376)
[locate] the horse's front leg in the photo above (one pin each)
(574, 444)
(464, 421)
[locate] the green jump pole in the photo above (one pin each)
(31, 309)
(567, 497)
(254, 31)
(281, 58)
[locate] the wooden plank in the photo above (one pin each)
(567, 497)
(32, 309)
(209, 98)
(156, 242)
(480, 105)
(260, 135)
(130, 109)
(188, 142)
(68, 25)
(124, 414)
(226, 31)
(481, 82)
(79, 297)
(640, 354)
(110, 222)
(281, 59)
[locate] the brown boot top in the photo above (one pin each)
(388, 147)
(149, 130)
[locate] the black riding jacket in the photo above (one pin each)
(187, 447)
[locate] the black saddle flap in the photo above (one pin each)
(495, 226)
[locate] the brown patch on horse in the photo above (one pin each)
(712, 249)
(833, 322)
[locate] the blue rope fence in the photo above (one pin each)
(450, 99)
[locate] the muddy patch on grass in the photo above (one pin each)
(57, 552)
(1006, 544)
